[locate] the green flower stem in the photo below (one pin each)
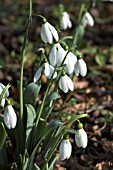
(79, 22)
(42, 104)
(22, 60)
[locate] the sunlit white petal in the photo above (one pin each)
(66, 84)
(10, 117)
(70, 61)
(56, 55)
(65, 21)
(38, 74)
(82, 67)
(81, 138)
(76, 68)
(46, 35)
(49, 71)
(63, 84)
(65, 149)
(53, 31)
(89, 19)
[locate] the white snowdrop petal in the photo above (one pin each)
(60, 55)
(84, 21)
(81, 138)
(38, 74)
(63, 150)
(77, 68)
(70, 62)
(49, 71)
(53, 32)
(69, 149)
(63, 23)
(10, 117)
(1, 89)
(53, 55)
(2, 102)
(69, 83)
(90, 19)
(82, 67)
(63, 84)
(46, 34)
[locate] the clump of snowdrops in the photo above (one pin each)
(29, 132)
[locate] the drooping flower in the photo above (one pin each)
(65, 21)
(81, 136)
(80, 68)
(56, 55)
(65, 149)
(65, 84)
(48, 71)
(10, 117)
(5, 95)
(87, 20)
(70, 62)
(48, 32)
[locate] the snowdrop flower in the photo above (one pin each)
(70, 62)
(48, 32)
(48, 71)
(10, 117)
(65, 149)
(81, 136)
(87, 20)
(65, 83)
(65, 21)
(80, 68)
(5, 95)
(56, 55)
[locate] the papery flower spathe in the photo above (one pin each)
(65, 149)
(48, 32)
(48, 71)
(65, 84)
(80, 68)
(87, 20)
(65, 21)
(81, 136)
(10, 117)
(5, 95)
(56, 55)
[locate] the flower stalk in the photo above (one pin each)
(22, 60)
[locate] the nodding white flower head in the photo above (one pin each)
(81, 136)
(48, 32)
(87, 20)
(65, 21)
(48, 71)
(80, 68)
(65, 149)
(65, 83)
(70, 62)
(5, 95)
(56, 55)
(10, 117)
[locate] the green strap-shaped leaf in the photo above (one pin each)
(3, 135)
(52, 96)
(31, 115)
(30, 93)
